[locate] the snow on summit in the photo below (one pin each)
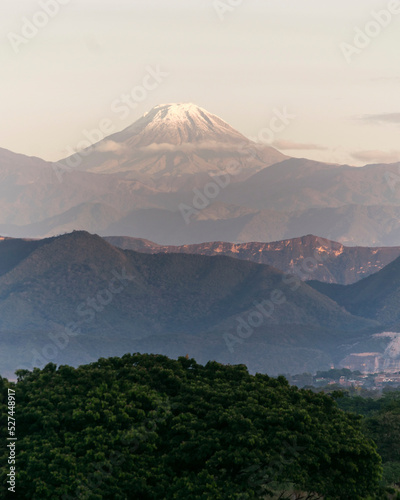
(176, 139)
(177, 124)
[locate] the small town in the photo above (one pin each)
(354, 381)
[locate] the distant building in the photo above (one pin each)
(365, 362)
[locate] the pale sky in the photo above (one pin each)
(240, 60)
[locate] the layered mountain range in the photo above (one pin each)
(181, 175)
(73, 298)
(195, 206)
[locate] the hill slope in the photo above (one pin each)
(377, 296)
(77, 297)
(299, 184)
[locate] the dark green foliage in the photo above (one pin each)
(391, 473)
(381, 423)
(147, 427)
(359, 405)
(336, 374)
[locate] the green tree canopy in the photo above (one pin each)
(147, 427)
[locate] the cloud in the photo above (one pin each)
(285, 144)
(165, 146)
(245, 147)
(377, 156)
(111, 147)
(382, 118)
(188, 147)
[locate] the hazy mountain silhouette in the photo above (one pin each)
(114, 301)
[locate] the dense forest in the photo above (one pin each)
(381, 423)
(147, 427)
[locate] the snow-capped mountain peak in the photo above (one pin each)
(175, 140)
(177, 124)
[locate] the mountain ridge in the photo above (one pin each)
(309, 257)
(79, 297)
(118, 188)
(376, 296)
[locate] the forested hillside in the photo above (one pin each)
(147, 427)
(98, 301)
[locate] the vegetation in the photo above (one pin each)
(336, 373)
(81, 280)
(381, 423)
(148, 427)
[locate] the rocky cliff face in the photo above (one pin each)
(309, 257)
